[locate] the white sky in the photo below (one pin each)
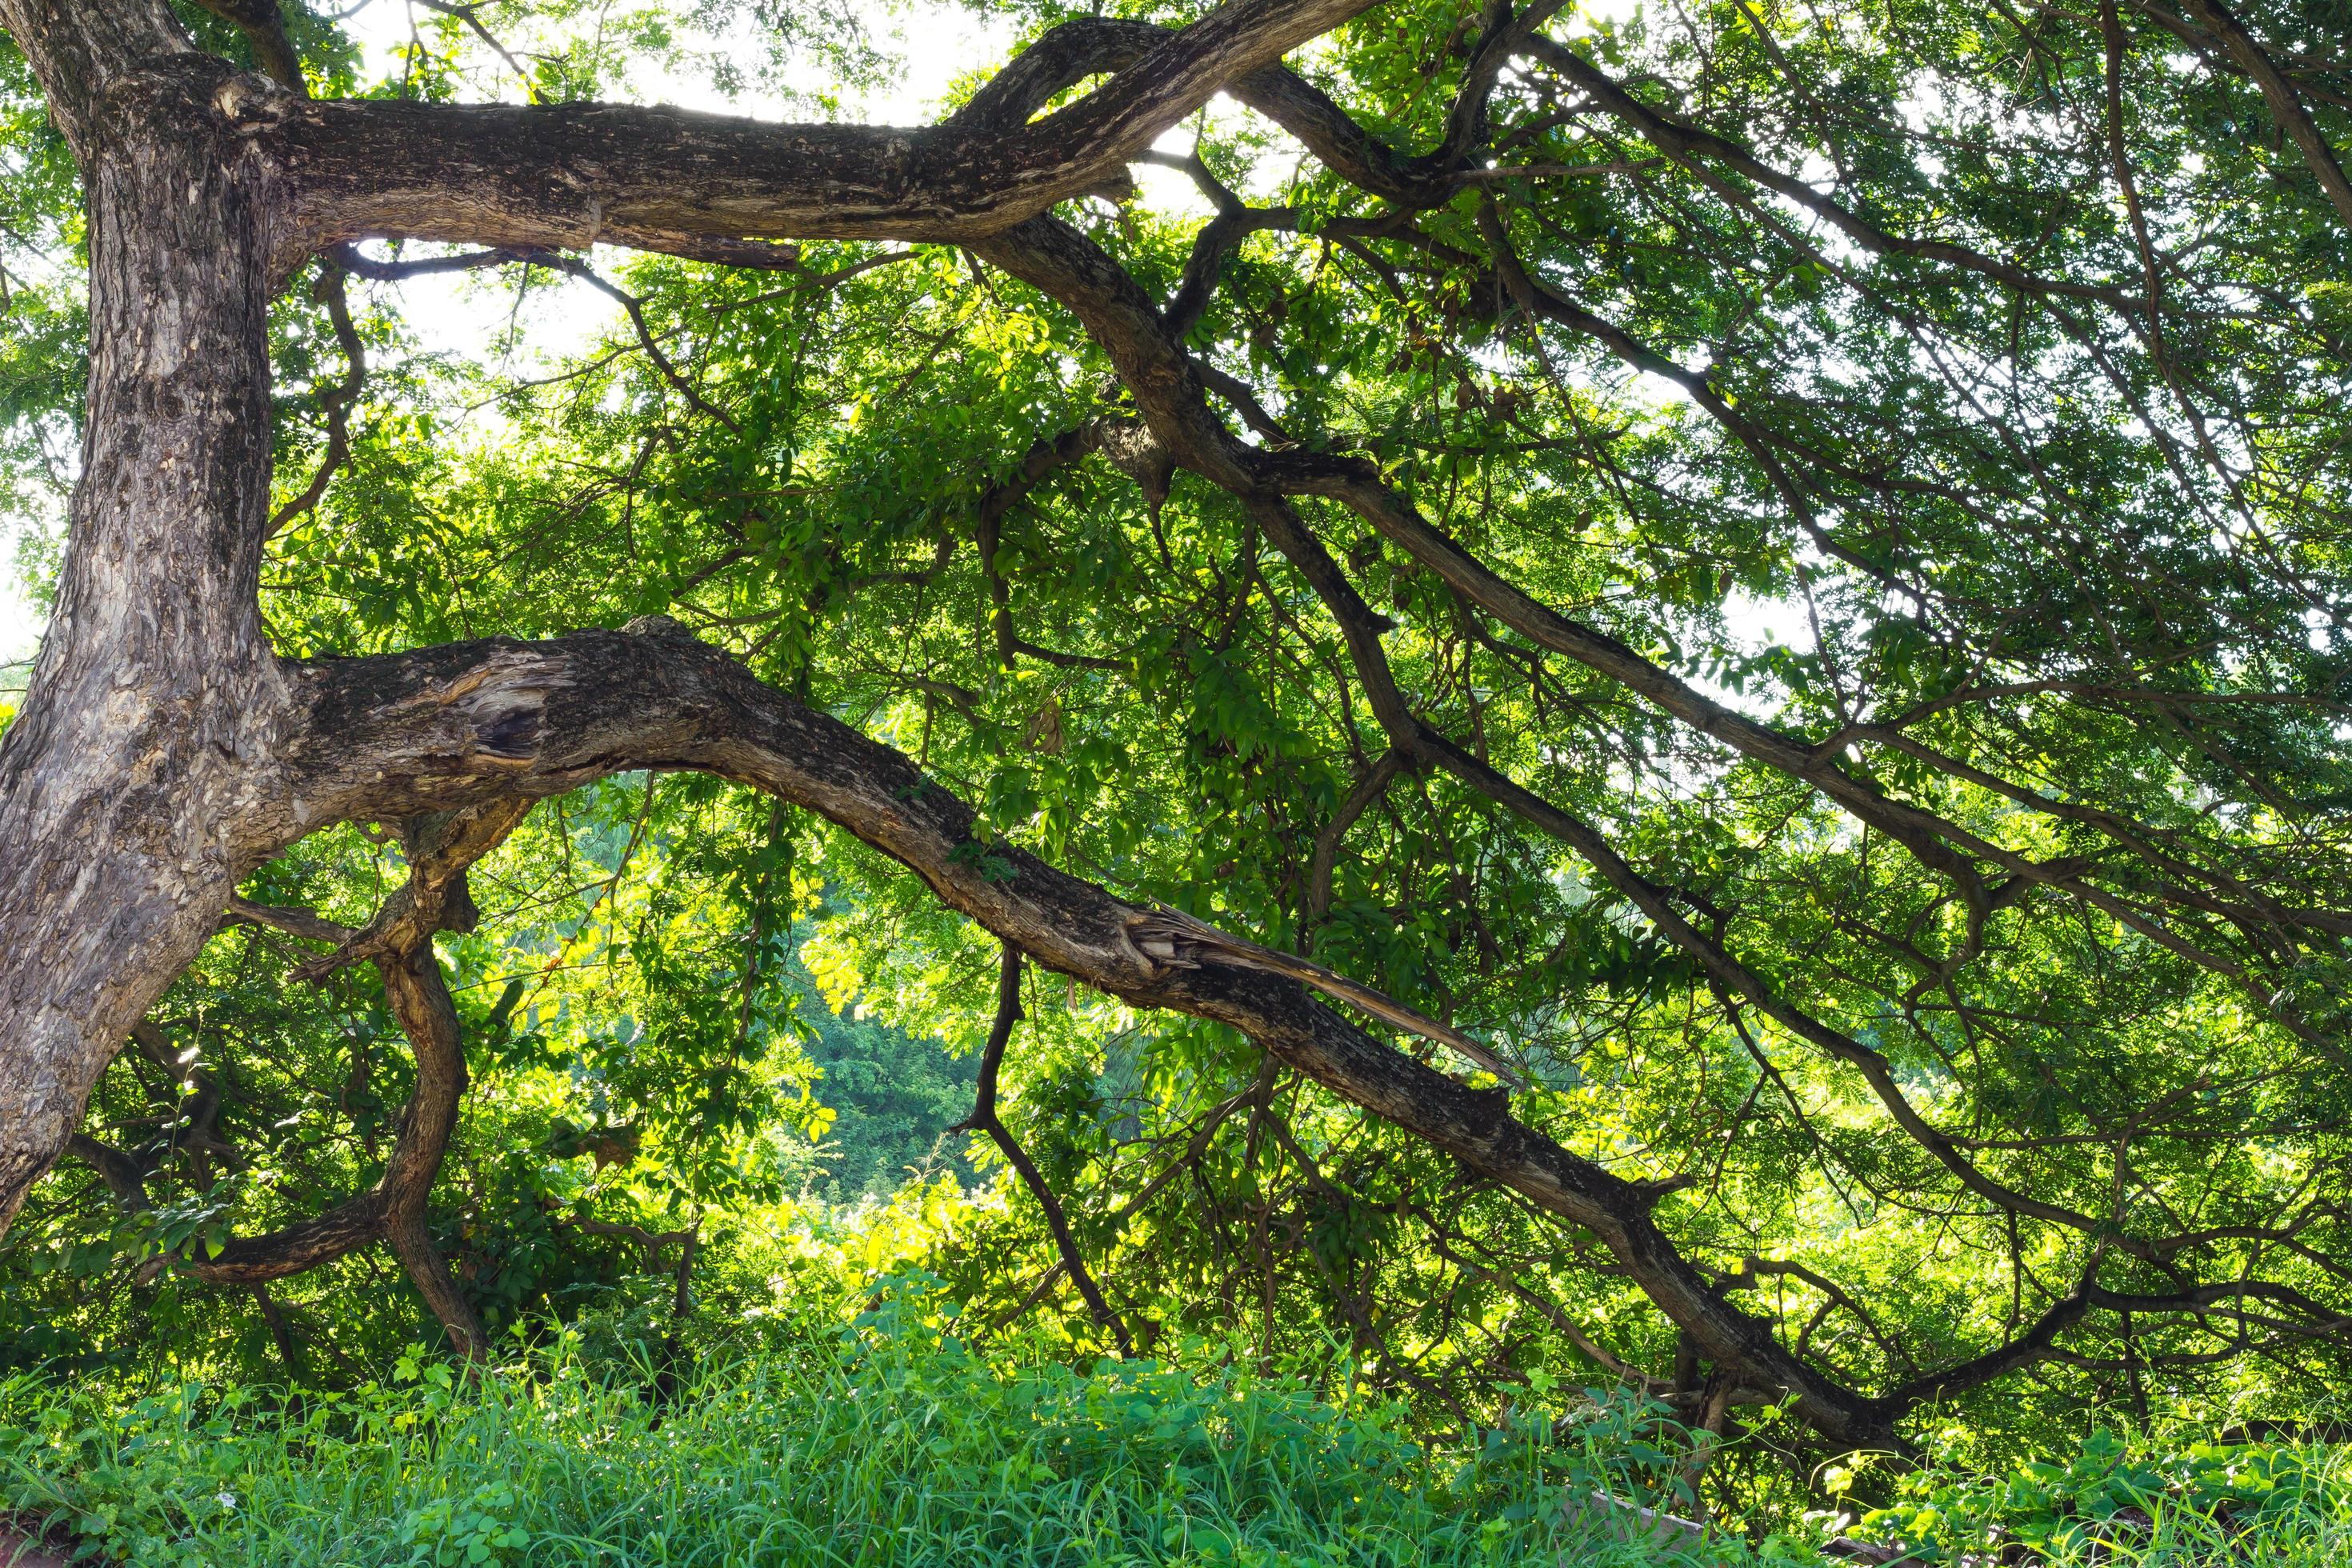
(18, 630)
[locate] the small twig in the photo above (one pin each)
(646, 338)
(336, 400)
(465, 14)
(376, 272)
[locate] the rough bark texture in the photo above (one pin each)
(149, 716)
(576, 174)
(138, 786)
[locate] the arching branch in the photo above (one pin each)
(399, 941)
(448, 727)
(1170, 393)
(571, 175)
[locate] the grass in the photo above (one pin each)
(892, 1443)
(884, 1449)
(2141, 1502)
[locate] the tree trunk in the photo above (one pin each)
(155, 694)
(421, 999)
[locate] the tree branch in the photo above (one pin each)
(2279, 94)
(446, 727)
(264, 26)
(983, 1119)
(398, 938)
(573, 176)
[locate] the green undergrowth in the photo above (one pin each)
(893, 1444)
(2138, 1501)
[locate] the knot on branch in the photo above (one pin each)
(1650, 1191)
(1131, 448)
(665, 626)
(252, 104)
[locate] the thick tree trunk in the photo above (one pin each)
(137, 786)
(166, 753)
(155, 694)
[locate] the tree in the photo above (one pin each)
(2017, 898)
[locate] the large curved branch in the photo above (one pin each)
(1169, 390)
(445, 727)
(391, 1210)
(448, 727)
(1079, 49)
(439, 847)
(1076, 49)
(1118, 317)
(442, 727)
(420, 1000)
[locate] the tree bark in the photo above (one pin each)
(448, 728)
(165, 751)
(136, 787)
(124, 782)
(667, 179)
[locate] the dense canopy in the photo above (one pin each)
(1657, 689)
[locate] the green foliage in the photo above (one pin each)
(889, 1439)
(2153, 1500)
(893, 1096)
